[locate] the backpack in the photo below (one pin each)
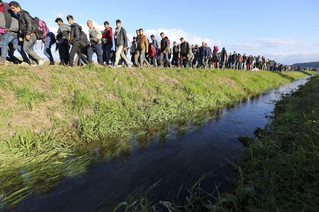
(53, 38)
(84, 39)
(41, 28)
(216, 57)
(216, 48)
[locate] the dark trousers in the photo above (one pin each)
(64, 51)
(184, 61)
(76, 49)
(133, 57)
(95, 48)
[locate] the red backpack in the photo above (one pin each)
(216, 48)
(152, 51)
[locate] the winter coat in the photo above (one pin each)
(26, 23)
(143, 44)
(121, 37)
(75, 33)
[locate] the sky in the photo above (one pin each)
(284, 30)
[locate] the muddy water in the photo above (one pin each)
(180, 158)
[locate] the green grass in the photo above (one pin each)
(280, 169)
(52, 113)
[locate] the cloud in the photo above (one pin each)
(176, 34)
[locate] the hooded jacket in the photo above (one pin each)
(26, 23)
(121, 39)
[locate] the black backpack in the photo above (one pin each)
(53, 38)
(84, 39)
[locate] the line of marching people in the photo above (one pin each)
(20, 31)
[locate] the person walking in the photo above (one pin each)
(203, 55)
(27, 32)
(142, 50)
(76, 41)
(107, 42)
(165, 49)
(184, 48)
(95, 37)
(48, 41)
(63, 43)
(9, 35)
(121, 44)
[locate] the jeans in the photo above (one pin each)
(203, 61)
(95, 48)
(165, 55)
(10, 37)
(47, 48)
(107, 53)
(28, 46)
(152, 61)
(76, 49)
(64, 51)
(141, 54)
(118, 54)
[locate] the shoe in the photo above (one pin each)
(24, 64)
(114, 67)
(41, 62)
(52, 63)
(129, 65)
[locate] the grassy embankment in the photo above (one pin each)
(48, 114)
(279, 171)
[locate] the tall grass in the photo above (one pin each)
(280, 169)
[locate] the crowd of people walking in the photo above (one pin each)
(19, 31)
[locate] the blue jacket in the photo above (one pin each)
(203, 51)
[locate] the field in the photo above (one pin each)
(50, 114)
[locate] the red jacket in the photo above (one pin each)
(152, 51)
(108, 34)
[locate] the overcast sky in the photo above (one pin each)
(284, 30)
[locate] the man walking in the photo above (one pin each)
(142, 50)
(203, 55)
(95, 43)
(10, 35)
(165, 48)
(27, 30)
(63, 44)
(48, 41)
(184, 53)
(133, 49)
(121, 44)
(107, 42)
(76, 41)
